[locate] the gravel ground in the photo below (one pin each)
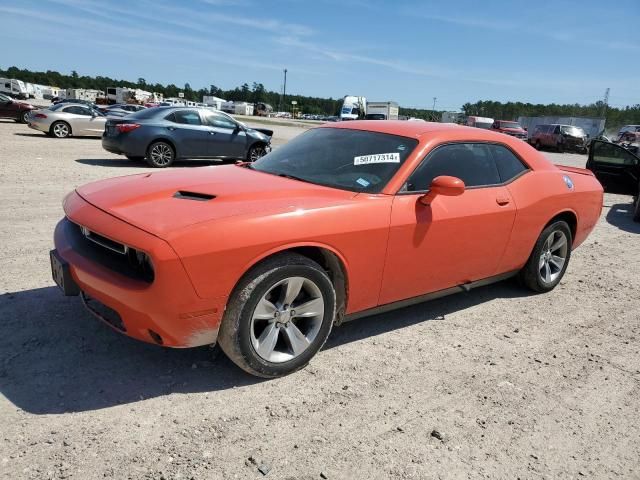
(495, 383)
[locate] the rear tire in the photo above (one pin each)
(549, 259)
(60, 129)
(160, 155)
(261, 332)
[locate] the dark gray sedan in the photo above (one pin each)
(162, 135)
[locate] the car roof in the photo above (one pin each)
(418, 129)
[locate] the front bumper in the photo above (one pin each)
(164, 311)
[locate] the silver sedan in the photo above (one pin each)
(65, 119)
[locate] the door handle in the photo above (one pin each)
(502, 200)
(171, 128)
(212, 133)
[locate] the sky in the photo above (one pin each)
(405, 51)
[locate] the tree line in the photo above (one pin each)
(256, 92)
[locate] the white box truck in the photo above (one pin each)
(382, 111)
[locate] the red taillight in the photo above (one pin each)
(40, 115)
(127, 127)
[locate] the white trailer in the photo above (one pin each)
(211, 101)
(242, 108)
(87, 94)
(382, 111)
(13, 87)
(479, 122)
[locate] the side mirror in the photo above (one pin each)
(443, 185)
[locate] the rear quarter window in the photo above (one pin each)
(509, 166)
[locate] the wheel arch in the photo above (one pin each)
(328, 258)
(568, 216)
(61, 121)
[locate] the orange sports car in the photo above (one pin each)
(343, 221)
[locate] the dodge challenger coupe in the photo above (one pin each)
(344, 221)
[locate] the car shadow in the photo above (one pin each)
(621, 215)
(43, 135)
(55, 357)
(124, 162)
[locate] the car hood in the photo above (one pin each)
(166, 202)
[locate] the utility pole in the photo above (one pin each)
(605, 103)
(434, 104)
(284, 94)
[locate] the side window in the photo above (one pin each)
(509, 166)
(220, 121)
(557, 129)
(470, 162)
(77, 110)
(189, 117)
(612, 154)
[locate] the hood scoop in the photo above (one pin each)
(197, 196)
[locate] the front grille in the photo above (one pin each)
(103, 312)
(108, 253)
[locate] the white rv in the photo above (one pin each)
(212, 101)
(13, 87)
(353, 107)
(243, 108)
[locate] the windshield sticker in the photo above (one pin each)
(401, 148)
(377, 158)
(363, 182)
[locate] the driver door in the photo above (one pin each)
(615, 167)
(454, 240)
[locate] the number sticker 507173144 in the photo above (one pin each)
(377, 158)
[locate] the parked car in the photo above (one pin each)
(343, 221)
(15, 109)
(635, 129)
(69, 119)
(56, 101)
(561, 137)
(162, 135)
(510, 128)
(617, 167)
(127, 107)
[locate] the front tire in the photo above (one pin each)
(279, 316)
(549, 258)
(256, 152)
(160, 155)
(24, 116)
(60, 129)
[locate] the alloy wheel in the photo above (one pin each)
(161, 154)
(256, 153)
(287, 319)
(61, 130)
(553, 256)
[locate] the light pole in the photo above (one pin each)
(284, 92)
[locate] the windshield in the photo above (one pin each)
(573, 131)
(341, 158)
(510, 125)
